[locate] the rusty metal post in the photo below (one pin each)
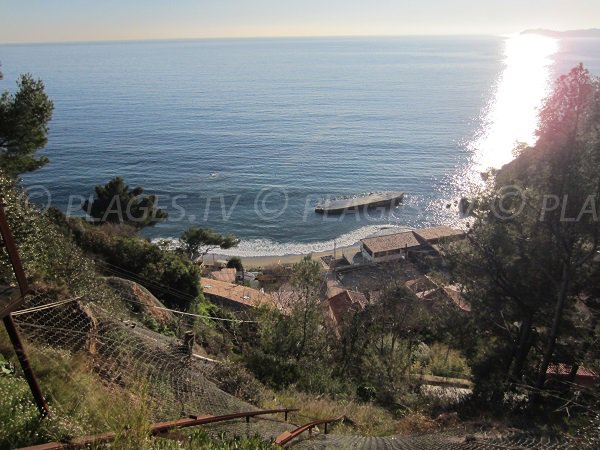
(188, 343)
(34, 386)
(13, 252)
(11, 329)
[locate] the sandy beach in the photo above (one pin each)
(255, 262)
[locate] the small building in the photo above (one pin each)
(389, 247)
(395, 246)
(343, 305)
(227, 275)
(435, 235)
(422, 287)
(232, 295)
(453, 293)
(562, 372)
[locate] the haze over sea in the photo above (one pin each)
(246, 135)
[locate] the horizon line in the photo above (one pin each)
(216, 38)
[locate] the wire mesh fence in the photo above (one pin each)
(74, 338)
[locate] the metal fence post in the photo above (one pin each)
(13, 333)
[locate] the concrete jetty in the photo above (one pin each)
(385, 199)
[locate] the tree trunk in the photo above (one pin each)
(304, 329)
(573, 372)
(558, 311)
(523, 346)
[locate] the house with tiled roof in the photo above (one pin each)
(342, 306)
(227, 275)
(435, 235)
(561, 371)
(234, 296)
(390, 247)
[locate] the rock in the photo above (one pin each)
(141, 299)
(447, 419)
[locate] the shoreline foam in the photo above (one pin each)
(260, 248)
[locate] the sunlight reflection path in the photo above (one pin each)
(512, 114)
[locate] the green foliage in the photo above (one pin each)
(295, 345)
(170, 278)
(274, 370)
(48, 255)
(21, 421)
(528, 259)
(235, 263)
(386, 366)
(199, 439)
(305, 329)
(196, 241)
(234, 379)
(444, 361)
(116, 203)
(24, 119)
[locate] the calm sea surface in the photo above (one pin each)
(245, 136)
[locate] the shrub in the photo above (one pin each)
(21, 421)
(235, 263)
(447, 362)
(234, 379)
(273, 370)
(167, 275)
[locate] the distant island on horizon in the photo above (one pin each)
(591, 32)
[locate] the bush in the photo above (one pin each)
(234, 379)
(167, 275)
(447, 362)
(21, 421)
(235, 263)
(273, 370)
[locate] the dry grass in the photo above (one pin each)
(364, 418)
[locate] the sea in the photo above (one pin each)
(246, 136)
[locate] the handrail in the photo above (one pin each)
(156, 429)
(287, 436)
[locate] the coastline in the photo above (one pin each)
(291, 253)
(255, 262)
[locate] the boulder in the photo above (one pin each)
(141, 299)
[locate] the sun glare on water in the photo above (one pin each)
(512, 115)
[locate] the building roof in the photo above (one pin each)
(436, 233)
(394, 241)
(234, 292)
(420, 284)
(345, 303)
(410, 239)
(225, 275)
(562, 369)
(454, 294)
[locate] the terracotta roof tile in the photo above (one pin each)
(562, 369)
(234, 292)
(394, 241)
(345, 303)
(225, 275)
(441, 232)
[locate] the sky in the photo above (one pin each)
(86, 20)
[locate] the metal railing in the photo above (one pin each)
(288, 436)
(156, 429)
